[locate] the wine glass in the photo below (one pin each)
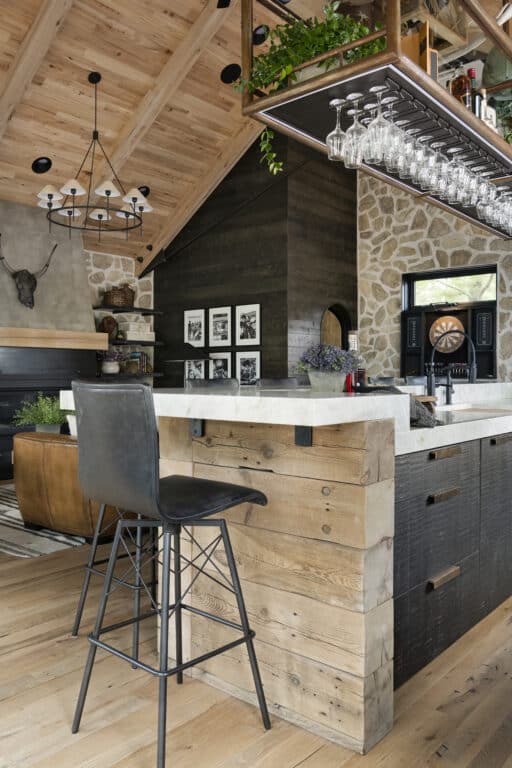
(335, 140)
(355, 135)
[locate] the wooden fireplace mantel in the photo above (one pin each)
(52, 339)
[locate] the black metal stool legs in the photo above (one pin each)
(177, 602)
(136, 594)
(87, 575)
(97, 629)
(164, 647)
(245, 624)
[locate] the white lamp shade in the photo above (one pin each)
(144, 207)
(107, 189)
(72, 187)
(126, 212)
(100, 214)
(134, 195)
(69, 213)
(44, 204)
(49, 193)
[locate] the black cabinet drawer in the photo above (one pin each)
(426, 472)
(6, 468)
(496, 521)
(428, 620)
(437, 521)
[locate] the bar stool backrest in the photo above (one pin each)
(118, 445)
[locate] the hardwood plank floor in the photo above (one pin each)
(456, 713)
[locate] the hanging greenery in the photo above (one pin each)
(297, 42)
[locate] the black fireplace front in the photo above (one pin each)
(23, 373)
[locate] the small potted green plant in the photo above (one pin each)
(44, 413)
(327, 366)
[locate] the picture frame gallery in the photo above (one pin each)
(225, 326)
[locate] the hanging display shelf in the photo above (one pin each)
(302, 112)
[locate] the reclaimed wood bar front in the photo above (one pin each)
(316, 566)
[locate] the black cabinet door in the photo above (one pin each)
(496, 521)
(428, 619)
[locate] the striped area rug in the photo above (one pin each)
(18, 541)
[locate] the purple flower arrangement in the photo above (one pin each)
(328, 357)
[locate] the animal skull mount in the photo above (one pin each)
(26, 282)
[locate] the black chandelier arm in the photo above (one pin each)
(92, 173)
(135, 219)
(116, 177)
(80, 169)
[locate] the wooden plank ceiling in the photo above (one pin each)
(164, 115)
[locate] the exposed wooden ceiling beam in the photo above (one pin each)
(170, 79)
(30, 56)
(489, 26)
(234, 149)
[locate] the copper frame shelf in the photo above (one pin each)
(302, 110)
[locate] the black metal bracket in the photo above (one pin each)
(304, 436)
(197, 427)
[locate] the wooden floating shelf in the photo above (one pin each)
(126, 376)
(52, 339)
(125, 310)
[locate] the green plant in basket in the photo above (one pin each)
(44, 409)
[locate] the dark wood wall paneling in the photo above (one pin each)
(286, 242)
(322, 246)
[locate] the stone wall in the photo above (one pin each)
(106, 270)
(400, 233)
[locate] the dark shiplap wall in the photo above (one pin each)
(322, 247)
(286, 242)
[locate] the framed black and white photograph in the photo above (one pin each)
(220, 365)
(220, 327)
(248, 367)
(195, 369)
(194, 327)
(248, 325)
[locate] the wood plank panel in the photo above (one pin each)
(352, 515)
(336, 455)
(335, 575)
(348, 706)
(358, 643)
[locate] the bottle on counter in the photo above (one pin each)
(461, 88)
(488, 112)
(476, 94)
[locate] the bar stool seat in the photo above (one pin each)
(190, 498)
(118, 465)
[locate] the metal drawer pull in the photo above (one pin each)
(445, 453)
(501, 440)
(436, 498)
(444, 577)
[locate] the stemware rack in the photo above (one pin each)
(302, 109)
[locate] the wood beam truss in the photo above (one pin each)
(30, 56)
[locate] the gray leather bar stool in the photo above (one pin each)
(118, 466)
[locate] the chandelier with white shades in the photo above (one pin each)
(66, 206)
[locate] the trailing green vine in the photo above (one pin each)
(296, 42)
(268, 156)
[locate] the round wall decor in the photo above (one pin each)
(449, 343)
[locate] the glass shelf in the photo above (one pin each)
(125, 310)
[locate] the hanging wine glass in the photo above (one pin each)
(378, 130)
(355, 135)
(335, 140)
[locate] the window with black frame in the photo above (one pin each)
(440, 301)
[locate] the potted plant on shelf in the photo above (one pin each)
(44, 413)
(111, 361)
(296, 42)
(327, 366)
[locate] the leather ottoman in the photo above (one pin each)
(47, 487)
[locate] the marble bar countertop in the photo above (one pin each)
(297, 407)
(479, 410)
